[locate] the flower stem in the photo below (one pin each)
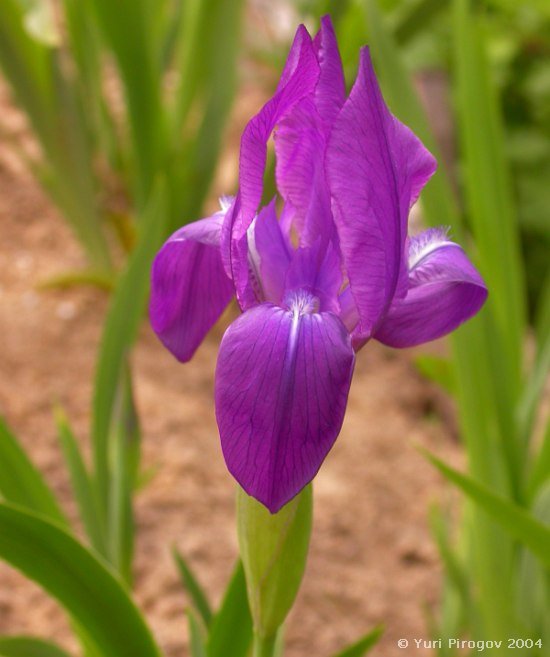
(264, 647)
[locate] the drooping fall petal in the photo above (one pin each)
(282, 382)
(376, 168)
(445, 290)
(189, 286)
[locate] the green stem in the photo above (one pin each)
(264, 647)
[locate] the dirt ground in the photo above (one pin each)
(372, 559)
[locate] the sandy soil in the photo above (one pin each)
(372, 559)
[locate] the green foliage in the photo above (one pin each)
(100, 158)
(497, 401)
(516, 521)
(230, 633)
(21, 483)
(84, 586)
(22, 646)
(363, 645)
(194, 589)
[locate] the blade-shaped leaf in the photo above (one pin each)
(230, 633)
(197, 646)
(126, 444)
(87, 590)
(515, 520)
(193, 588)
(123, 319)
(26, 646)
(21, 483)
(83, 490)
(363, 645)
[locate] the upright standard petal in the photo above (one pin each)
(269, 253)
(297, 81)
(445, 290)
(300, 143)
(282, 383)
(189, 286)
(376, 168)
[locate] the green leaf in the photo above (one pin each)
(121, 326)
(87, 590)
(126, 448)
(363, 645)
(21, 483)
(540, 472)
(193, 588)
(50, 99)
(230, 633)
(83, 490)
(85, 277)
(125, 26)
(515, 520)
(26, 646)
(210, 42)
(273, 549)
(533, 582)
(197, 645)
(413, 17)
(489, 188)
(437, 369)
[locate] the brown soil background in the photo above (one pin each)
(372, 559)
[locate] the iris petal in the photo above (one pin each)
(376, 168)
(270, 248)
(189, 287)
(300, 143)
(445, 290)
(297, 81)
(282, 383)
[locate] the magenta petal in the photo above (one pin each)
(376, 168)
(300, 142)
(445, 291)
(270, 252)
(316, 269)
(282, 383)
(330, 92)
(298, 80)
(189, 287)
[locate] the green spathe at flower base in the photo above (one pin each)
(274, 552)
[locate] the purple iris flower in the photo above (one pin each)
(317, 272)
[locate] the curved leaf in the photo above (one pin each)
(88, 591)
(21, 483)
(26, 646)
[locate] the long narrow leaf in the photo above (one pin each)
(231, 630)
(26, 646)
(363, 645)
(193, 588)
(83, 489)
(125, 459)
(123, 319)
(21, 483)
(515, 520)
(197, 645)
(96, 601)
